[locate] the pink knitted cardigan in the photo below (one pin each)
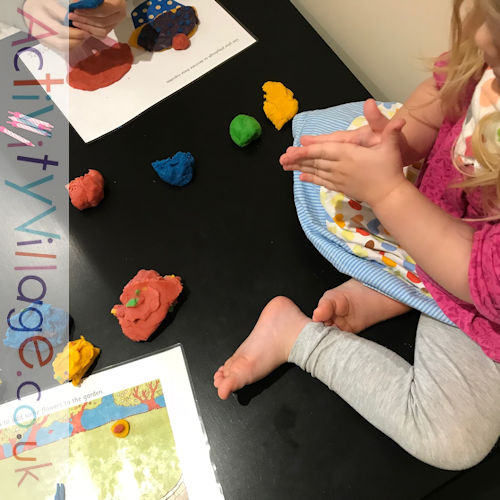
(480, 320)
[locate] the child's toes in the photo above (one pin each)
(228, 385)
(324, 312)
(226, 369)
(217, 379)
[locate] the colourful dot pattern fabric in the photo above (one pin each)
(313, 216)
(149, 10)
(356, 224)
(485, 100)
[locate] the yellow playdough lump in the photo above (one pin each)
(279, 103)
(73, 362)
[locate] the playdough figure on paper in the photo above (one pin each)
(162, 24)
(102, 68)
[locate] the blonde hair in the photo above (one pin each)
(465, 62)
(485, 143)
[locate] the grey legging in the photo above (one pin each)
(444, 410)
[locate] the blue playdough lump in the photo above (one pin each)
(177, 170)
(54, 327)
(82, 4)
(85, 4)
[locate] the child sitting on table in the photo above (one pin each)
(445, 409)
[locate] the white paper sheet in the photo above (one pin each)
(191, 443)
(153, 77)
(6, 31)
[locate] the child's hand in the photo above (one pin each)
(52, 14)
(363, 173)
(368, 135)
(99, 22)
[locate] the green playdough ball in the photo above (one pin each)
(244, 129)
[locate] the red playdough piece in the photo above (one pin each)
(181, 42)
(102, 69)
(86, 191)
(145, 302)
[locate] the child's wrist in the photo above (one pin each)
(392, 196)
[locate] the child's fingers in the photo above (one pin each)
(391, 137)
(99, 22)
(292, 149)
(316, 179)
(374, 116)
(322, 176)
(311, 166)
(339, 136)
(50, 13)
(67, 40)
(55, 11)
(319, 176)
(393, 126)
(76, 37)
(305, 140)
(289, 159)
(304, 166)
(322, 151)
(107, 8)
(294, 155)
(93, 30)
(298, 163)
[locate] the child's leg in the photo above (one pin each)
(444, 410)
(351, 306)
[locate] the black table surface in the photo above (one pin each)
(234, 237)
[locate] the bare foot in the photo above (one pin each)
(352, 307)
(266, 348)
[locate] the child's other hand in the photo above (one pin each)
(363, 173)
(368, 135)
(99, 22)
(52, 14)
